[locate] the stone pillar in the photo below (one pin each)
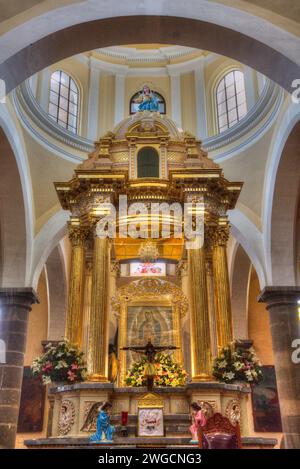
(176, 98)
(200, 101)
(281, 302)
(199, 322)
(94, 92)
(98, 335)
(119, 97)
(77, 235)
(15, 304)
(222, 287)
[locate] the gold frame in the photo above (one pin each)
(148, 291)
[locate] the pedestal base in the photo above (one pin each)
(72, 423)
(138, 442)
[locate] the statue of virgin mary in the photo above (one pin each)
(147, 100)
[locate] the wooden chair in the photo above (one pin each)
(219, 433)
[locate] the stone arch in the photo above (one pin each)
(48, 47)
(287, 121)
(49, 236)
(241, 268)
(57, 294)
(13, 231)
(284, 212)
(251, 240)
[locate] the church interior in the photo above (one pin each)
(130, 104)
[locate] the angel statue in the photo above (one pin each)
(147, 100)
(104, 431)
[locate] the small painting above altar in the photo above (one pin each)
(147, 269)
(151, 422)
(150, 415)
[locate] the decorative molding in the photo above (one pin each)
(66, 417)
(149, 287)
(28, 109)
(256, 123)
(208, 407)
(233, 411)
(132, 55)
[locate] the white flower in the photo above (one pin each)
(238, 365)
(230, 375)
(61, 364)
(249, 376)
(46, 379)
(222, 364)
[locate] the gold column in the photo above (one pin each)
(177, 334)
(73, 332)
(122, 339)
(211, 306)
(222, 288)
(87, 306)
(98, 335)
(200, 331)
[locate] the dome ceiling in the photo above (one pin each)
(147, 55)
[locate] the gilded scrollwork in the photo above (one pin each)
(150, 287)
(207, 407)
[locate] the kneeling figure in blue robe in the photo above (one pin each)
(103, 424)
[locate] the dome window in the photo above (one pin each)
(64, 101)
(148, 163)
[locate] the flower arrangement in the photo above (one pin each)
(169, 372)
(60, 363)
(236, 363)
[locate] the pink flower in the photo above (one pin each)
(71, 375)
(74, 366)
(47, 367)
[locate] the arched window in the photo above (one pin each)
(231, 100)
(148, 163)
(64, 101)
(134, 107)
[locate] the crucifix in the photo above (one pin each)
(150, 351)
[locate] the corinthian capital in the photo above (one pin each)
(221, 235)
(78, 234)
